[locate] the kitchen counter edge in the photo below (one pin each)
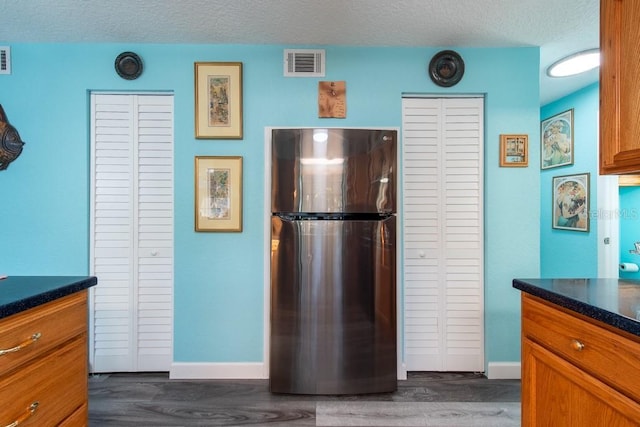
(20, 293)
(536, 288)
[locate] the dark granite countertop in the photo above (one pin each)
(19, 293)
(615, 302)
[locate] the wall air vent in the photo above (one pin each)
(5, 60)
(304, 62)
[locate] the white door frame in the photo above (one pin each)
(92, 320)
(481, 209)
(608, 219)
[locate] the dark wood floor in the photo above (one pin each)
(425, 399)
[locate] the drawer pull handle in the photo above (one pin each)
(35, 337)
(24, 417)
(577, 345)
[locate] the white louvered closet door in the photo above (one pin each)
(131, 312)
(443, 233)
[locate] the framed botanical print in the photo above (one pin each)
(556, 145)
(218, 95)
(218, 187)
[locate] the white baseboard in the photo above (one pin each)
(253, 371)
(402, 371)
(218, 371)
(231, 371)
(503, 371)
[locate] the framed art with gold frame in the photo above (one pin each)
(218, 100)
(218, 188)
(514, 151)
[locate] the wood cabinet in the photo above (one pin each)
(576, 371)
(619, 86)
(43, 364)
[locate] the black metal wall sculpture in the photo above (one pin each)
(446, 68)
(10, 142)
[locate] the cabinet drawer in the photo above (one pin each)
(79, 418)
(612, 358)
(58, 383)
(55, 322)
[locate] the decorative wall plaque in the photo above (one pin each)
(128, 65)
(10, 142)
(332, 101)
(446, 68)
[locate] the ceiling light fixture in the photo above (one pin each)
(575, 64)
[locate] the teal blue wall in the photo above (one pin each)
(565, 253)
(629, 227)
(44, 195)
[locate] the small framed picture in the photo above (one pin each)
(556, 145)
(218, 187)
(514, 151)
(218, 95)
(571, 202)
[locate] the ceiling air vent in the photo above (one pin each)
(5, 60)
(304, 62)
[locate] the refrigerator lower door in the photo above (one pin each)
(333, 306)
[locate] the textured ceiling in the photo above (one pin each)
(559, 27)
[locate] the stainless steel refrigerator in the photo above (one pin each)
(333, 261)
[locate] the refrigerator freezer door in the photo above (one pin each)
(333, 306)
(333, 170)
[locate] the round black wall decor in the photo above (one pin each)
(128, 65)
(446, 68)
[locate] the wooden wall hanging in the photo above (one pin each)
(10, 142)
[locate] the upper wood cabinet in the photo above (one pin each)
(619, 87)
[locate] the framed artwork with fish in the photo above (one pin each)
(218, 96)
